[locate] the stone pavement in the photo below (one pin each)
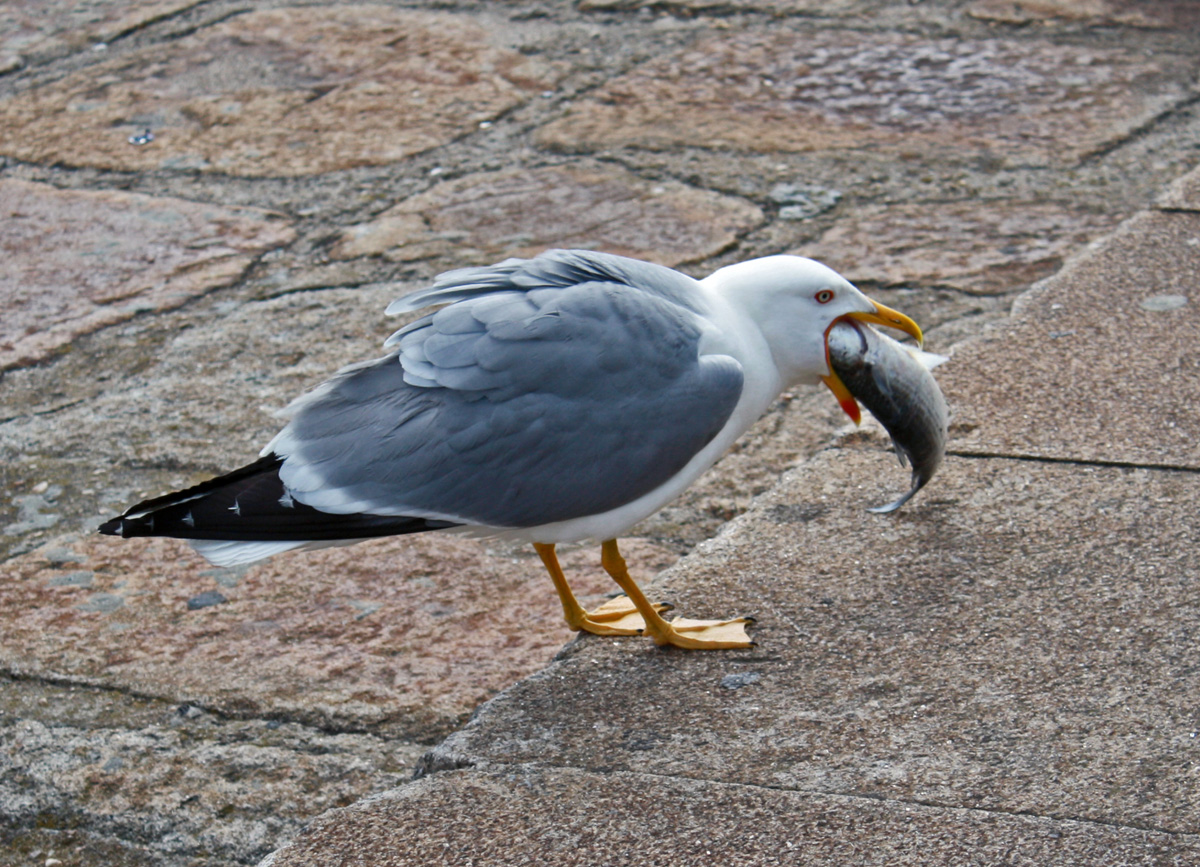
(1001, 672)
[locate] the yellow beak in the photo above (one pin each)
(884, 316)
(889, 318)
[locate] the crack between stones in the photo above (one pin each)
(187, 31)
(218, 713)
(1139, 131)
(40, 412)
(1124, 826)
(487, 765)
(145, 24)
(1075, 462)
(283, 293)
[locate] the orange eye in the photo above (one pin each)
(824, 296)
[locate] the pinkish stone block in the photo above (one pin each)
(1026, 102)
(77, 261)
(278, 92)
(978, 246)
(521, 212)
(408, 634)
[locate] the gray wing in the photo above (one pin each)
(515, 407)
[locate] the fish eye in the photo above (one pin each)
(824, 296)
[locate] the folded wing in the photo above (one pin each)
(526, 402)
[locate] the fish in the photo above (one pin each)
(893, 381)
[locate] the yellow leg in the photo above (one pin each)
(692, 634)
(616, 617)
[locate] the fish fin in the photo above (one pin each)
(928, 360)
(917, 484)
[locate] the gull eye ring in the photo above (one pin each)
(824, 296)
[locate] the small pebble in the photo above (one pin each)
(102, 603)
(737, 681)
(60, 556)
(30, 516)
(364, 608)
(1155, 304)
(801, 201)
(205, 600)
(72, 579)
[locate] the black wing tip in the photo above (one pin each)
(127, 526)
(248, 505)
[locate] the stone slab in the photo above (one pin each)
(404, 636)
(278, 92)
(788, 90)
(1098, 363)
(521, 212)
(560, 817)
(76, 261)
(976, 650)
(981, 247)
(190, 786)
(33, 28)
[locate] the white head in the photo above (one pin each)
(794, 301)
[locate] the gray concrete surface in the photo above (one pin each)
(999, 673)
(533, 815)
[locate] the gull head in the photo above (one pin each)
(794, 302)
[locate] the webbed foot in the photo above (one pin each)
(703, 634)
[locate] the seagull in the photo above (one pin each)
(551, 400)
